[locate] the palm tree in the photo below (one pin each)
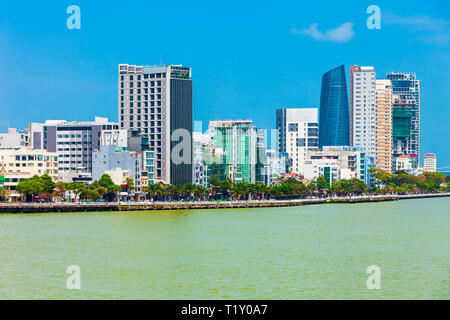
(150, 190)
(200, 192)
(214, 186)
(61, 188)
(129, 181)
(261, 189)
(189, 189)
(169, 191)
(180, 191)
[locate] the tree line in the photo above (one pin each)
(104, 189)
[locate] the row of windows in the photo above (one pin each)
(35, 157)
(312, 142)
(73, 136)
(293, 127)
(139, 98)
(72, 162)
(144, 76)
(138, 117)
(72, 149)
(39, 164)
(131, 91)
(143, 124)
(140, 84)
(73, 142)
(139, 111)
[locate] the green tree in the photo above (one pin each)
(381, 176)
(312, 186)
(76, 188)
(434, 177)
(89, 194)
(61, 188)
(105, 181)
(48, 184)
(358, 186)
(30, 187)
(322, 183)
(153, 190)
(129, 181)
(261, 189)
(200, 192)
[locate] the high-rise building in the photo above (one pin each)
(334, 128)
(405, 116)
(298, 133)
(383, 136)
(157, 100)
(429, 162)
(362, 108)
(235, 151)
(75, 141)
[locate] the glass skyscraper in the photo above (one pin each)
(334, 116)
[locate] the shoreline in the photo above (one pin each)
(11, 208)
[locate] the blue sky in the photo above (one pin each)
(248, 58)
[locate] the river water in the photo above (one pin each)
(310, 252)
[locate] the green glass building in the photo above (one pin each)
(236, 152)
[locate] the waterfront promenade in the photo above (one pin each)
(148, 205)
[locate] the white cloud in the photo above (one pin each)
(415, 23)
(342, 33)
(429, 29)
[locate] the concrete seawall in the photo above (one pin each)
(140, 206)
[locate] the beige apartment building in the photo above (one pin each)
(429, 163)
(17, 164)
(383, 132)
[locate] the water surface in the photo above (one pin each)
(309, 252)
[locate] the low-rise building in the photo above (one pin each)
(118, 175)
(14, 139)
(277, 166)
(139, 142)
(75, 141)
(328, 168)
(341, 162)
(199, 140)
(429, 163)
(23, 163)
(403, 163)
(112, 157)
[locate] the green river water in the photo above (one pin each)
(309, 252)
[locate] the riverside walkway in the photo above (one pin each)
(148, 205)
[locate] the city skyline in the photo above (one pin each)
(77, 71)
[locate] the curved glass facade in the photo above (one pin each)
(334, 127)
